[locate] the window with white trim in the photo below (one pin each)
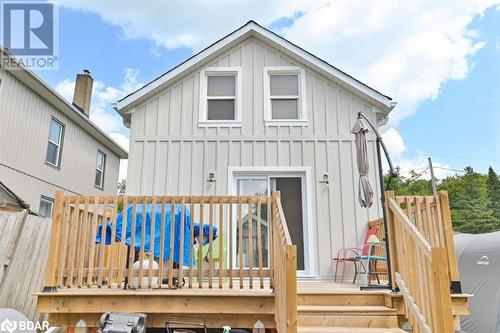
(54, 146)
(46, 206)
(99, 169)
(220, 97)
(284, 93)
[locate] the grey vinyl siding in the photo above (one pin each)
(24, 131)
(170, 154)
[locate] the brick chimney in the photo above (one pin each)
(83, 92)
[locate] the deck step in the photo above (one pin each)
(379, 321)
(346, 310)
(346, 316)
(347, 330)
(366, 299)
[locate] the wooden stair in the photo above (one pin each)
(345, 311)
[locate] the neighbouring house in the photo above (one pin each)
(48, 144)
(253, 113)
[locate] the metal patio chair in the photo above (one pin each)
(367, 263)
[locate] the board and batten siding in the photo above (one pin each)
(24, 131)
(171, 154)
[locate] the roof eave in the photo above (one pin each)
(126, 104)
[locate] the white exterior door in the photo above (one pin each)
(294, 195)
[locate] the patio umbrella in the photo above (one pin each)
(365, 192)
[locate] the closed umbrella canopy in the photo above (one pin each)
(365, 191)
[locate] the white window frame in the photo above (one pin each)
(59, 145)
(219, 71)
(47, 199)
(301, 98)
(99, 152)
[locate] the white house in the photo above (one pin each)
(253, 113)
(48, 144)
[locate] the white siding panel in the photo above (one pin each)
(152, 117)
(161, 168)
(186, 153)
(176, 110)
(323, 225)
(163, 114)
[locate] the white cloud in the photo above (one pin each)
(406, 163)
(407, 49)
(394, 142)
(66, 89)
(121, 139)
(103, 96)
(191, 24)
(101, 111)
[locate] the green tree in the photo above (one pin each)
(122, 186)
(469, 202)
(410, 185)
(493, 184)
(474, 198)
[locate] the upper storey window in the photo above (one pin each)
(54, 147)
(285, 98)
(220, 97)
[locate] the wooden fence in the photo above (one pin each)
(423, 261)
(24, 246)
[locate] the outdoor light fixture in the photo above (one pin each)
(325, 180)
(114, 322)
(211, 177)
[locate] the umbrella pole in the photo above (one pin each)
(380, 144)
(384, 215)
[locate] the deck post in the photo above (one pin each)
(50, 274)
(291, 288)
(392, 238)
(443, 318)
(449, 242)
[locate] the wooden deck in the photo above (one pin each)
(85, 279)
(322, 306)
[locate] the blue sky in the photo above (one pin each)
(446, 79)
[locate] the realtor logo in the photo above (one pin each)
(8, 326)
(29, 32)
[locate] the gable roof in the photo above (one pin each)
(34, 82)
(252, 28)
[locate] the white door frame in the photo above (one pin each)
(304, 173)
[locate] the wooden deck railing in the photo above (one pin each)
(77, 260)
(284, 274)
(93, 247)
(423, 259)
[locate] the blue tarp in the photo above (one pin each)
(157, 231)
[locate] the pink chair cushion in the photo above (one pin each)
(371, 231)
